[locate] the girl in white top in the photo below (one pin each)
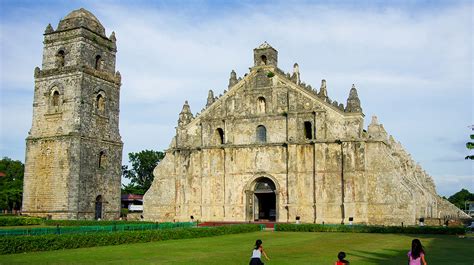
(257, 254)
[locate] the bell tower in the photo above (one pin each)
(265, 55)
(74, 149)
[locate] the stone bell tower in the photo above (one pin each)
(74, 149)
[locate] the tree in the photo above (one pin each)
(11, 185)
(141, 174)
(470, 145)
(460, 197)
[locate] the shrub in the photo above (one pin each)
(20, 244)
(118, 226)
(89, 222)
(371, 229)
(19, 221)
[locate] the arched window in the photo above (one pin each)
(55, 100)
(102, 159)
(261, 105)
(264, 59)
(261, 134)
(60, 58)
(220, 135)
(100, 103)
(97, 62)
(98, 207)
(308, 130)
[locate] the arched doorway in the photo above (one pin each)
(98, 207)
(264, 200)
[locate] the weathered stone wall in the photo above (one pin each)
(324, 166)
(74, 149)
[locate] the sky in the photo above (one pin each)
(411, 61)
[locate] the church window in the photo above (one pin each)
(264, 59)
(97, 62)
(100, 102)
(98, 207)
(102, 159)
(60, 58)
(308, 130)
(261, 134)
(220, 135)
(55, 100)
(261, 105)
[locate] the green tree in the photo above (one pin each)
(11, 185)
(470, 146)
(459, 198)
(141, 173)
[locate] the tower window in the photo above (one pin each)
(60, 58)
(100, 102)
(261, 105)
(308, 130)
(55, 100)
(264, 59)
(220, 135)
(102, 159)
(261, 134)
(97, 62)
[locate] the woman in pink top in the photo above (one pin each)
(417, 254)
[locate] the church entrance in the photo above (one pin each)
(98, 207)
(264, 200)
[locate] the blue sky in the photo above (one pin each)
(411, 61)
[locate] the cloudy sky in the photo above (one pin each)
(411, 61)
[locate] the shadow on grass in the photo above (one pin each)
(440, 249)
(389, 256)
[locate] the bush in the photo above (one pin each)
(19, 221)
(371, 229)
(90, 222)
(119, 226)
(22, 220)
(20, 244)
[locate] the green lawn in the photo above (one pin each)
(282, 247)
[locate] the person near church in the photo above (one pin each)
(417, 254)
(257, 252)
(341, 258)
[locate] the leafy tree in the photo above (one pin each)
(132, 189)
(470, 145)
(460, 197)
(141, 174)
(11, 185)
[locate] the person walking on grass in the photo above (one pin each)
(417, 254)
(256, 258)
(341, 259)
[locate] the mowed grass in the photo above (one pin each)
(282, 247)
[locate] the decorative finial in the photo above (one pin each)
(210, 98)
(37, 71)
(323, 93)
(295, 77)
(233, 79)
(185, 116)
(118, 76)
(48, 29)
(264, 45)
(374, 121)
(112, 37)
(353, 102)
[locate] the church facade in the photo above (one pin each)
(273, 148)
(74, 149)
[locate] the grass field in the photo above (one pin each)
(282, 247)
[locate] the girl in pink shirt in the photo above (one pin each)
(417, 254)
